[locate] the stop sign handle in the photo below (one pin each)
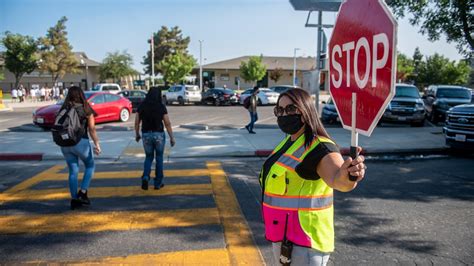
(354, 134)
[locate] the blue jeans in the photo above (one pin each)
(253, 119)
(72, 154)
(154, 144)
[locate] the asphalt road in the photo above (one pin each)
(406, 212)
(220, 117)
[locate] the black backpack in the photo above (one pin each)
(247, 102)
(68, 128)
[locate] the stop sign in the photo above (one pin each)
(362, 60)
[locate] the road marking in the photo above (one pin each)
(5, 120)
(106, 221)
(240, 244)
(34, 180)
(133, 174)
(108, 192)
(191, 257)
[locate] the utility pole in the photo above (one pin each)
(200, 64)
(318, 57)
(294, 66)
(152, 47)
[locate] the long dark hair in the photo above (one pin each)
(75, 96)
(153, 97)
(305, 104)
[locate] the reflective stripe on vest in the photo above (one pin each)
(298, 203)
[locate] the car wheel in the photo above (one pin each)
(180, 100)
(124, 115)
(217, 102)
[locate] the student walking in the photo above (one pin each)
(150, 115)
(253, 110)
(82, 150)
(14, 94)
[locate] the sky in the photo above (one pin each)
(228, 28)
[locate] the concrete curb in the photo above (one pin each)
(194, 127)
(21, 156)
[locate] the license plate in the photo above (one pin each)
(40, 120)
(460, 137)
(402, 119)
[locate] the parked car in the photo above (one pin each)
(135, 96)
(107, 87)
(219, 96)
(439, 98)
(265, 96)
(329, 113)
(183, 94)
(459, 128)
(282, 88)
(109, 107)
(406, 106)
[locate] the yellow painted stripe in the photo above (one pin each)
(107, 192)
(35, 179)
(239, 241)
(191, 257)
(134, 174)
(106, 221)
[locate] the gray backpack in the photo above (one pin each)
(68, 128)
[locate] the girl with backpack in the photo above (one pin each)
(82, 150)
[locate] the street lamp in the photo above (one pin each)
(84, 63)
(152, 60)
(294, 66)
(200, 64)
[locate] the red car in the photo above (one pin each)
(109, 107)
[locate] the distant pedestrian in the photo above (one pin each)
(14, 95)
(253, 110)
(43, 94)
(20, 94)
(82, 150)
(150, 115)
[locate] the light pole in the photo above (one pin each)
(294, 66)
(200, 64)
(84, 63)
(152, 61)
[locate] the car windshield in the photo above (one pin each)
(226, 91)
(192, 88)
(407, 91)
(96, 88)
(87, 94)
(453, 93)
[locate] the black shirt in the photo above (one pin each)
(152, 117)
(307, 168)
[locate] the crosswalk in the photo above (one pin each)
(196, 213)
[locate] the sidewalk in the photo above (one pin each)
(121, 146)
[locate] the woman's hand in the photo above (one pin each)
(138, 137)
(97, 149)
(354, 167)
(172, 141)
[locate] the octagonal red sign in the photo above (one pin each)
(362, 60)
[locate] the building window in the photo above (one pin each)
(225, 77)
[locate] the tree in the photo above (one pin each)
(276, 74)
(254, 69)
(166, 42)
(20, 56)
(405, 67)
(454, 19)
(116, 65)
(56, 52)
(176, 66)
(439, 70)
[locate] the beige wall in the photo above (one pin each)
(46, 79)
(286, 79)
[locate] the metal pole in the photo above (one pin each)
(87, 76)
(200, 65)
(318, 58)
(294, 67)
(152, 61)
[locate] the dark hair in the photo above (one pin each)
(305, 104)
(74, 96)
(255, 88)
(153, 96)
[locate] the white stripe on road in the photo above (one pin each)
(5, 120)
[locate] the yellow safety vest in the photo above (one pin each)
(300, 209)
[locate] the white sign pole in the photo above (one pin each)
(354, 134)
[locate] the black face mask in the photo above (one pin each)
(290, 124)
